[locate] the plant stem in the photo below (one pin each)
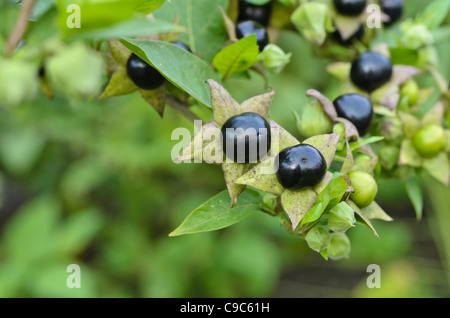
(175, 103)
(20, 27)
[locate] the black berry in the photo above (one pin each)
(142, 74)
(258, 13)
(249, 27)
(301, 166)
(393, 8)
(358, 35)
(357, 109)
(182, 45)
(350, 7)
(370, 71)
(246, 138)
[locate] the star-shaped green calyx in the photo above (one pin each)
(409, 154)
(204, 148)
(121, 84)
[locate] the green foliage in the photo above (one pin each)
(87, 178)
(202, 18)
(185, 70)
(216, 213)
(237, 57)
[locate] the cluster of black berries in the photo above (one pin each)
(253, 19)
(392, 8)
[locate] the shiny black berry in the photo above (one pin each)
(357, 36)
(350, 7)
(357, 109)
(142, 74)
(258, 13)
(393, 8)
(249, 27)
(370, 71)
(246, 138)
(301, 166)
(182, 45)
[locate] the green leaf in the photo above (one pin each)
(370, 140)
(374, 211)
(206, 33)
(217, 213)
(361, 218)
(403, 55)
(415, 195)
(438, 167)
(237, 57)
(332, 194)
(434, 14)
(135, 26)
(29, 233)
(146, 6)
(93, 14)
(313, 20)
(190, 79)
(76, 233)
(297, 203)
(348, 162)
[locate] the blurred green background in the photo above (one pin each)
(92, 183)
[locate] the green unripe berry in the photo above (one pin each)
(429, 140)
(411, 90)
(365, 188)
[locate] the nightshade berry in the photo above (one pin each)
(393, 8)
(246, 138)
(258, 13)
(430, 140)
(365, 188)
(249, 27)
(300, 166)
(142, 74)
(357, 109)
(350, 7)
(370, 71)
